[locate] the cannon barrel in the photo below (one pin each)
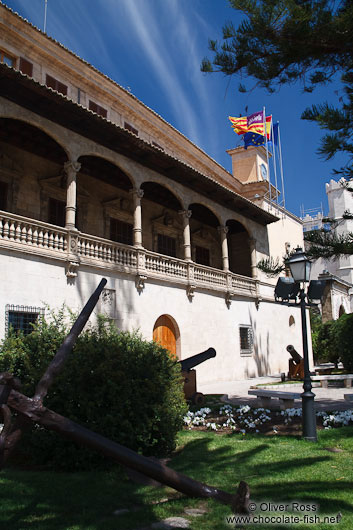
(294, 354)
(199, 358)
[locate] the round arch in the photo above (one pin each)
(103, 169)
(33, 138)
(238, 248)
(205, 238)
(104, 154)
(162, 194)
(166, 332)
(204, 214)
(341, 311)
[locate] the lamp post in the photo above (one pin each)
(300, 267)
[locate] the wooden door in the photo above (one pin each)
(164, 333)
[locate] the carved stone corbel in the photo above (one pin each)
(190, 291)
(228, 298)
(72, 268)
(140, 282)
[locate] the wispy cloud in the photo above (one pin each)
(171, 53)
(165, 34)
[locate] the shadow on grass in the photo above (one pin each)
(305, 493)
(279, 474)
(51, 501)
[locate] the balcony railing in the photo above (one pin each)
(31, 236)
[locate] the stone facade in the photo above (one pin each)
(113, 190)
(338, 273)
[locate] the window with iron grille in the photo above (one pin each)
(57, 212)
(246, 340)
(4, 188)
(97, 109)
(166, 245)
(21, 318)
(121, 232)
(26, 67)
(202, 256)
(56, 85)
(130, 128)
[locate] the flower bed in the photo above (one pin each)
(227, 418)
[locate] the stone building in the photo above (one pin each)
(338, 273)
(94, 183)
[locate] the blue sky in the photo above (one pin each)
(154, 48)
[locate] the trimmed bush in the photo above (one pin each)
(315, 325)
(116, 384)
(326, 343)
(342, 337)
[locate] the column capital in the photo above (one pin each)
(185, 213)
(137, 192)
(223, 229)
(72, 166)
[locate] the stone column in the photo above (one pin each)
(186, 214)
(223, 230)
(71, 169)
(137, 195)
(253, 257)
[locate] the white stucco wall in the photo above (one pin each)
(203, 322)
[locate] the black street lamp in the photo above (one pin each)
(300, 267)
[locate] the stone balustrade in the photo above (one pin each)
(36, 237)
(26, 234)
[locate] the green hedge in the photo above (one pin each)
(116, 384)
(333, 340)
(342, 339)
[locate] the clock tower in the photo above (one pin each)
(250, 167)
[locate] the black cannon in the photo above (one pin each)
(296, 364)
(189, 375)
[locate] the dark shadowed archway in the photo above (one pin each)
(205, 239)
(238, 248)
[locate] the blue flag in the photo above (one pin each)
(253, 139)
(274, 134)
(258, 139)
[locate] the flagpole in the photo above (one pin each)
(274, 161)
(45, 15)
(268, 164)
(281, 165)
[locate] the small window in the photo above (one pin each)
(246, 340)
(166, 245)
(6, 58)
(202, 256)
(56, 85)
(21, 318)
(130, 128)
(57, 212)
(291, 321)
(121, 232)
(101, 111)
(26, 67)
(4, 189)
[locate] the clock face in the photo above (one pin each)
(263, 169)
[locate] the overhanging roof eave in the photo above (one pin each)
(38, 98)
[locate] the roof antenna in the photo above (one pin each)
(45, 15)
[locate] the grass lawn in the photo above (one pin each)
(278, 470)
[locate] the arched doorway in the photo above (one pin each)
(166, 332)
(341, 311)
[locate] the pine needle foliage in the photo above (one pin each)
(286, 41)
